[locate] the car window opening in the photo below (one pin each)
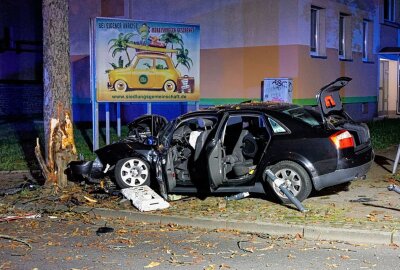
(187, 144)
(244, 138)
(302, 114)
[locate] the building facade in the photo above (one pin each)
(243, 42)
(312, 42)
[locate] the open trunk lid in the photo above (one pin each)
(334, 116)
(328, 98)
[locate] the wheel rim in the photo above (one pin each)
(292, 181)
(120, 86)
(134, 172)
(169, 86)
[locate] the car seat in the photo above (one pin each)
(245, 149)
(202, 137)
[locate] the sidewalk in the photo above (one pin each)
(363, 211)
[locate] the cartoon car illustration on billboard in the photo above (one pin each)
(149, 70)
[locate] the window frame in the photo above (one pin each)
(389, 8)
(317, 32)
(314, 30)
(367, 33)
(345, 50)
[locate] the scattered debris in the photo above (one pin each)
(394, 188)
(144, 198)
(239, 244)
(152, 264)
(26, 216)
(28, 185)
(174, 197)
(103, 230)
(238, 196)
(16, 240)
(90, 199)
(361, 200)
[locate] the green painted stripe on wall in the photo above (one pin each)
(367, 99)
(305, 101)
(300, 101)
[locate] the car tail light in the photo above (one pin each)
(342, 139)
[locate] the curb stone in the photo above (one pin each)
(349, 235)
(307, 232)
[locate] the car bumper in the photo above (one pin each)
(85, 169)
(80, 167)
(341, 176)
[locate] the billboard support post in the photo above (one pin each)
(107, 123)
(119, 119)
(95, 106)
(148, 108)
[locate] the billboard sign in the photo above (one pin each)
(146, 61)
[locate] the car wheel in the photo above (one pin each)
(169, 86)
(132, 172)
(120, 86)
(296, 179)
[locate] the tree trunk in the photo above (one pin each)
(59, 141)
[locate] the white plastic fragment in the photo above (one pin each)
(23, 216)
(144, 198)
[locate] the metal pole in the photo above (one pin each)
(396, 161)
(119, 119)
(272, 179)
(107, 123)
(148, 108)
(95, 106)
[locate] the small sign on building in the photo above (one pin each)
(277, 89)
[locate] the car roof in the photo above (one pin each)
(253, 106)
(272, 108)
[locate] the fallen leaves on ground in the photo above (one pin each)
(152, 264)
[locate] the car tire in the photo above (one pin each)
(132, 172)
(120, 86)
(296, 178)
(169, 86)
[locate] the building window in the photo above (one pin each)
(389, 10)
(317, 32)
(314, 30)
(367, 40)
(345, 37)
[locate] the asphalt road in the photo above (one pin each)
(69, 241)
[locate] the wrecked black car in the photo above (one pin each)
(228, 148)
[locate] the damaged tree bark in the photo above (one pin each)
(60, 149)
(59, 140)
